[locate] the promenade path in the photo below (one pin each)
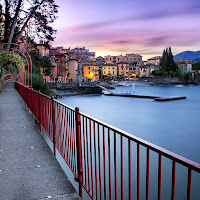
(28, 168)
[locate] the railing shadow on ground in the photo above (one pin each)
(107, 162)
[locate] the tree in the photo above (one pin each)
(167, 61)
(187, 77)
(41, 13)
(196, 66)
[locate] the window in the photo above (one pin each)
(88, 67)
(110, 58)
(108, 67)
(113, 72)
(104, 72)
(113, 68)
(130, 68)
(89, 72)
(104, 68)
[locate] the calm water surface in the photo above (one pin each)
(173, 125)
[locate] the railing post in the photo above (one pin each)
(39, 108)
(32, 103)
(79, 150)
(53, 126)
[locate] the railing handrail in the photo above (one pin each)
(180, 159)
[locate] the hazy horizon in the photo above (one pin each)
(128, 26)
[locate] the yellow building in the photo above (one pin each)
(90, 71)
(109, 70)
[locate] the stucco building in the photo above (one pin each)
(155, 60)
(184, 65)
(123, 69)
(90, 71)
(109, 70)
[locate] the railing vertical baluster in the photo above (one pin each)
(122, 177)
(91, 159)
(189, 182)
(129, 169)
(75, 162)
(173, 180)
(67, 137)
(147, 176)
(79, 150)
(54, 125)
(159, 176)
(63, 133)
(104, 162)
(138, 171)
(99, 162)
(95, 153)
(87, 155)
(70, 139)
(84, 152)
(115, 164)
(109, 165)
(73, 134)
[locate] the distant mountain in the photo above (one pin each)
(191, 55)
(196, 60)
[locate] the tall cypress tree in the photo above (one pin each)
(164, 60)
(167, 61)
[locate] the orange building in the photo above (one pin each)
(90, 71)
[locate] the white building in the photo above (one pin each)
(184, 65)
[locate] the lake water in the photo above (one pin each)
(173, 125)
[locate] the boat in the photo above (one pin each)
(123, 84)
(179, 86)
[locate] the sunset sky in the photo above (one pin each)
(117, 27)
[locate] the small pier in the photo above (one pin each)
(156, 98)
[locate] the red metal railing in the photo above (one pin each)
(108, 162)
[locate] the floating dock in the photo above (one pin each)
(156, 98)
(170, 98)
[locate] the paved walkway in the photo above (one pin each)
(28, 168)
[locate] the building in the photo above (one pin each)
(143, 71)
(109, 70)
(123, 69)
(43, 50)
(100, 61)
(81, 54)
(74, 71)
(115, 59)
(59, 65)
(155, 60)
(90, 71)
(184, 65)
(134, 58)
(152, 67)
(133, 71)
(110, 59)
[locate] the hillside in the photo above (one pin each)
(191, 55)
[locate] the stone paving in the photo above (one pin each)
(28, 168)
